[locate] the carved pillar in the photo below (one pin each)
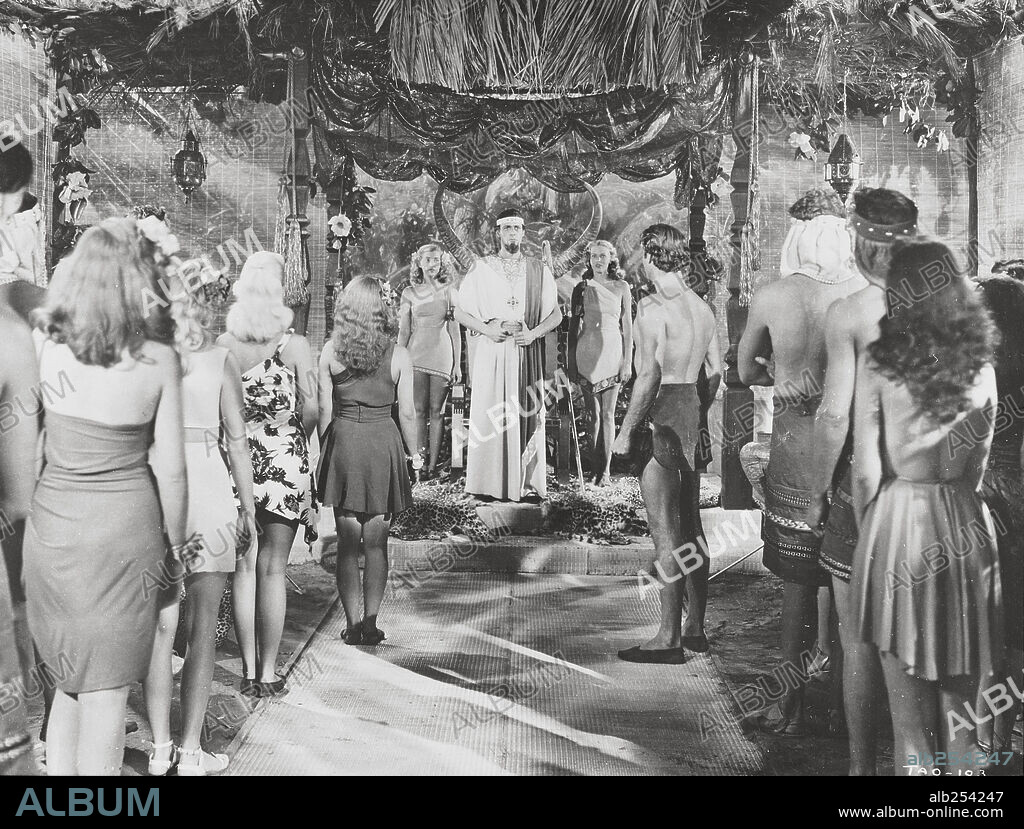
(736, 426)
(298, 167)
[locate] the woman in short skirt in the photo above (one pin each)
(363, 471)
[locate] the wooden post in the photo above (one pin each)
(971, 149)
(298, 165)
(736, 427)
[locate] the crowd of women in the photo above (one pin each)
(174, 458)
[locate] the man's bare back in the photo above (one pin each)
(683, 327)
(787, 320)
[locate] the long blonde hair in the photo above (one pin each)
(364, 326)
(258, 313)
(194, 319)
(105, 297)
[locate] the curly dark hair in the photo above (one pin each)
(1004, 296)
(818, 201)
(936, 335)
(364, 326)
(666, 246)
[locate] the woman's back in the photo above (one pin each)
(917, 448)
(376, 388)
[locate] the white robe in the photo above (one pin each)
(497, 465)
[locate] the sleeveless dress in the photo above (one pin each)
(430, 343)
(599, 344)
(212, 513)
(925, 582)
(94, 553)
(362, 465)
(282, 483)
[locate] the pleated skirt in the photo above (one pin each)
(926, 585)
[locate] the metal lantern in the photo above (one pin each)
(189, 165)
(842, 170)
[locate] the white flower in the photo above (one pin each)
(77, 181)
(341, 225)
(169, 245)
(70, 194)
(802, 142)
(154, 229)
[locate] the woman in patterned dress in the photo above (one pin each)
(279, 385)
(428, 329)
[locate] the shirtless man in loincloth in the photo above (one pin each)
(787, 322)
(677, 334)
(878, 219)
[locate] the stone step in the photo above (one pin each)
(731, 535)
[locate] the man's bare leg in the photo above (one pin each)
(691, 529)
(862, 674)
(661, 491)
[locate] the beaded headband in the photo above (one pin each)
(877, 232)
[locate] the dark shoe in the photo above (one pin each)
(249, 687)
(372, 636)
(661, 656)
(272, 689)
(353, 635)
(781, 726)
(697, 644)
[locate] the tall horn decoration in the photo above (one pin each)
(459, 249)
(572, 256)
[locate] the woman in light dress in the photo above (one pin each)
(279, 386)
(214, 424)
(427, 328)
(113, 484)
(601, 348)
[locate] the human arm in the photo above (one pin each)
(526, 336)
(468, 310)
(867, 419)
(232, 408)
(326, 391)
(626, 323)
(455, 332)
(401, 373)
(301, 359)
(19, 381)
(405, 318)
(645, 389)
(713, 363)
(755, 342)
(832, 421)
(167, 456)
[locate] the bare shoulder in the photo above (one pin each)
(226, 340)
(296, 346)
(164, 357)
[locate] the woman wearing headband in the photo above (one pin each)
(428, 329)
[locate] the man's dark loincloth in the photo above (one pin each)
(790, 546)
(675, 426)
(836, 553)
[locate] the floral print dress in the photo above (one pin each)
(282, 478)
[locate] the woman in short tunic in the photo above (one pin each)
(601, 348)
(428, 329)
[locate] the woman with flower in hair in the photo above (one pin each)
(363, 471)
(427, 328)
(280, 412)
(926, 589)
(113, 483)
(213, 406)
(601, 348)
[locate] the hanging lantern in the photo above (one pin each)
(842, 170)
(189, 165)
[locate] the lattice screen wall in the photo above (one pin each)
(238, 202)
(1000, 75)
(25, 85)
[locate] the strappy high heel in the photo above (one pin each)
(199, 763)
(158, 768)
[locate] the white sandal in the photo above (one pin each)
(158, 768)
(200, 763)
